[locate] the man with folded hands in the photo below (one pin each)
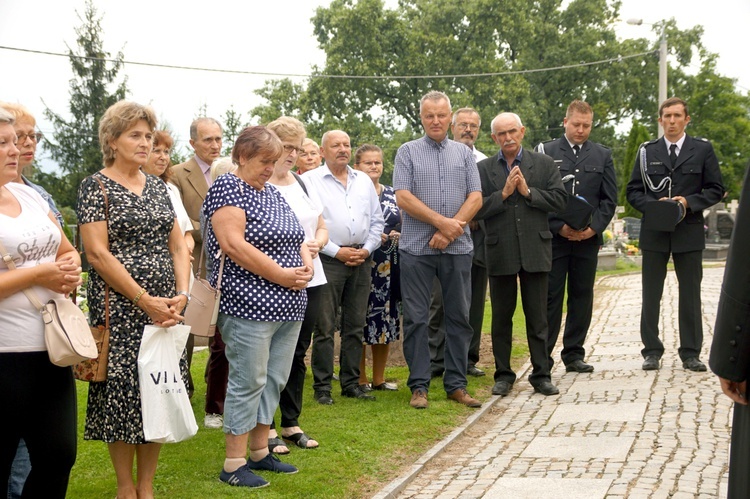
(587, 170)
(519, 188)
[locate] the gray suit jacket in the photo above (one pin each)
(517, 234)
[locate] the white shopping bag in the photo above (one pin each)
(167, 414)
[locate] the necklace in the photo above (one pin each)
(128, 184)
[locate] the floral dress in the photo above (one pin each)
(383, 325)
(138, 230)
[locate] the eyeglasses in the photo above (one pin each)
(290, 149)
(35, 137)
(470, 126)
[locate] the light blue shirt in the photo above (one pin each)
(441, 175)
(352, 213)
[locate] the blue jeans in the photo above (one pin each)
(417, 276)
(19, 471)
(260, 358)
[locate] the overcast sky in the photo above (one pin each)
(271, 37)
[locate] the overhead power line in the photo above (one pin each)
(331, 76)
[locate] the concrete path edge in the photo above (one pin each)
(394, 488)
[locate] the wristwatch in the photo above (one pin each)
(185, 294)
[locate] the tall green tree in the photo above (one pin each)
(433, 42)
(93, 89)
(720, 114)
(445, 44)
(233, 125)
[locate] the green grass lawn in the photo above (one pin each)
(364, 445)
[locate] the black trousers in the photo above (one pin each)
(689, 269)
(216, 375)
(503, 296)
(739, 454)
(575, 263)
(291, 396)
(43, 401)
(348, 287)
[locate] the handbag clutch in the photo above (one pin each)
(66, 333)
(203, 309)
(94, 369)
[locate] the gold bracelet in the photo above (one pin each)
(138, 296)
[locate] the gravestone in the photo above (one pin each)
(724, 226)
(633, 227)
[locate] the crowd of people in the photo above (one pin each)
(325, 248)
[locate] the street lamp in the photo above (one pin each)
(662, 62)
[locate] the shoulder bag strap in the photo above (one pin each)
(301, 183)
(202, 258)
(106, 218)
(221, 271)
(30, 293)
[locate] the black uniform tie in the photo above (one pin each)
(673, 154)
(576, 149)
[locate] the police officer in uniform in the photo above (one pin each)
(676, 168)
(588, 171)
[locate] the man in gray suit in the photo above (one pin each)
(519, 188)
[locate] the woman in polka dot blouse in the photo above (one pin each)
(263, 299)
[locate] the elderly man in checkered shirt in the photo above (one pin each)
(438, 190)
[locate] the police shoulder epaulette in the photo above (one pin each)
(702, 139)
(649, 142)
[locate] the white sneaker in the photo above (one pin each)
(213, 421)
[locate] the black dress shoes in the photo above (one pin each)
(694, 364)
(579, 366)
(474, 371)
(651, 363)
(355, 392)
(546, 388)
(323, 397)
(501, 388)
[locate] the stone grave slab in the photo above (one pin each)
(559, 488)
(582, 448)
(576, 413)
